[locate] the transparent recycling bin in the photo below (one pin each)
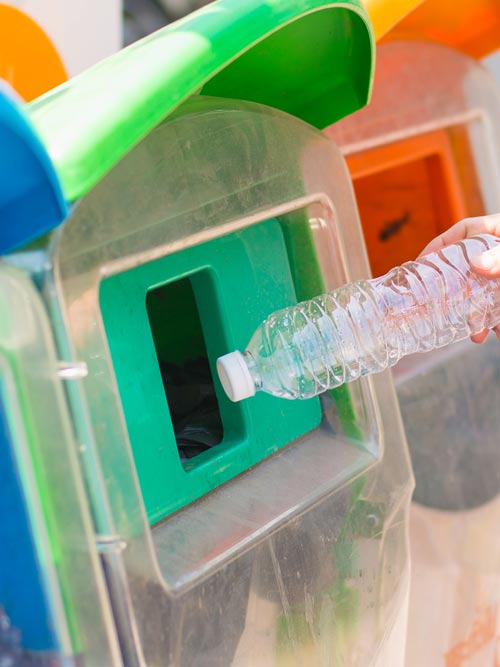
(266, 533)
(263, 533)
(423, 155)
(54, 607)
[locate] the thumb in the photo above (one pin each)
(487, 263)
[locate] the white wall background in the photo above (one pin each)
(493, 64)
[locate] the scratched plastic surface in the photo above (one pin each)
(303, 559)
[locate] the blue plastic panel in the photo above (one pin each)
(22, 594)
(31, 199)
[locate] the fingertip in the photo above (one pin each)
(480, 337)
(487, 263)
(435, 245)
(483, 262)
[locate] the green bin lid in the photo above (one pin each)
(310, 58)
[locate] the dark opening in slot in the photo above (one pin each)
(185, 369)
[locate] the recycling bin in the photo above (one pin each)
(203, 197)
(54, 608)
(423, 156)
(468, 26)
(53, 604)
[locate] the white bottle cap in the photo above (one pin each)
(235, 376)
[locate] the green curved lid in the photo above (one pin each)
(311, 58)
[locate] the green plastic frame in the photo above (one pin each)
(237, 280)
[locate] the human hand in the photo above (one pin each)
(486, 264)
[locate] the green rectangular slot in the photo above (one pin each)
(188, 307)
(185, 369)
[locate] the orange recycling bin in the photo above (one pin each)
(29, 61)
(387, 14)
(423, 155)
(470, 26)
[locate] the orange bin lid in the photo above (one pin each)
(28, 59)
(386, 14)
(471, 26)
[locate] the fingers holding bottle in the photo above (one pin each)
(484, 224)
(486, 263)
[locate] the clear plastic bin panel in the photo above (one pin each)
(302, 557)
(51, 585)
(455, 592)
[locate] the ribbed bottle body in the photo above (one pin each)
(367, 326)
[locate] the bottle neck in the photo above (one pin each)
(253, 370)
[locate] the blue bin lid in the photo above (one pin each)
(31, 198)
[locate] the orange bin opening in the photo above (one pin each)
(410, 191)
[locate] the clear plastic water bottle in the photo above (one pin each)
(366, 326)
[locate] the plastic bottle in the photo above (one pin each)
(366, 326)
